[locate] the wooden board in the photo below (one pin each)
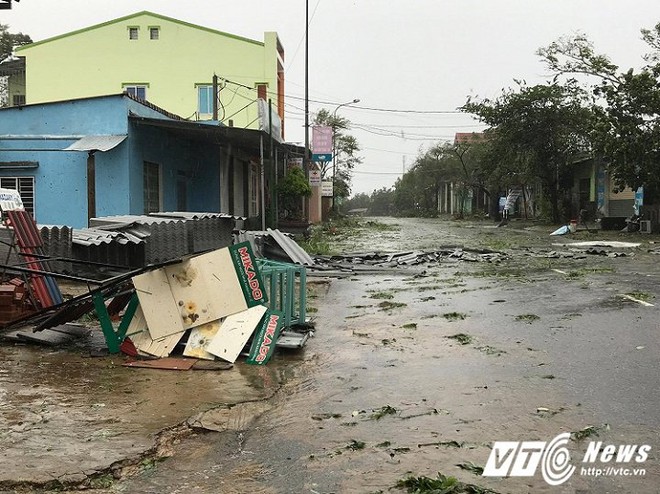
(168, 363)
(199, 339)
(197, 291)
(140, 335)
(158, 306)
(234, 333)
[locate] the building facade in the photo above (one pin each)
(165, 61)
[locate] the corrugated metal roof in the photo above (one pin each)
(93, 236)
(130, 219)
(292, 249)
(188, 215)
(97, 143)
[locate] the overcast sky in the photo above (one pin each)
(410, 62)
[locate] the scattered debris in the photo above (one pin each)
(589, 431)
(387, 305)
(383, 411)
(471, 467)
(528, 318)
(454, 316)
(549, 412)
(448, 444)
(462, 338)
(489, 350)
(410, 325)
(356, 445)
(440, 485)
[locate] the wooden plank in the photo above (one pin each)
(234, 333)
(158, 306)
(168, 363)
(140, 335)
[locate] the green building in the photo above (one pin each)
(164, 61)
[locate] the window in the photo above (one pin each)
(18, 99)
(204, 100)
(24, 186)
(137, 90)
(151, 187)
(133, 33)
(154, 33)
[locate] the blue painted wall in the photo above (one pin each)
(41, 132)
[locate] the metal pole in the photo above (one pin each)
(334, 151)
(306, 158)
(263, 192)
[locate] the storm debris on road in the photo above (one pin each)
(411, 258)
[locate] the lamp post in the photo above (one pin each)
(334, 150)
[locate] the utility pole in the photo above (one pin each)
(334, 151)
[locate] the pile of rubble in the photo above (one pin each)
(356, 262)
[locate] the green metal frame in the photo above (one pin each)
(114, 338)
(284, 294)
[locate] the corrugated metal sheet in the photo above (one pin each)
(94, 236)
(288, 249)
(97, 143)
(296, 253)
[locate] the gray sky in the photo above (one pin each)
(402, 58)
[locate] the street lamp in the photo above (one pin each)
(334, 150)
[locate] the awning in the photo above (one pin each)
(97, 143)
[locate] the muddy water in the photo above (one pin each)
(64, 415)
(384, 391)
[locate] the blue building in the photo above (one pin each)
(116, 155)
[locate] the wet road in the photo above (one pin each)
(385, 389)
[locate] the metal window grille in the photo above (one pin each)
(154, 33)
(133, 33)
(151, 187)
(24, 186)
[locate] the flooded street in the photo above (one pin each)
(411, 371)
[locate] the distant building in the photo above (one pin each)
(168, 62)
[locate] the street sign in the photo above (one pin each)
(315, 178)
(326, 188)
(322, 157)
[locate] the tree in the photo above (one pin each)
(535, 133)
(627, 133)
(8, 42)
(346, 151)
(291, 190)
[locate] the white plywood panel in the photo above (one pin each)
(206, 288)
(160, 310)
(234, 333)
(139, 334)
(199, 339)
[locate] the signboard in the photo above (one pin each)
(322, 139)
(315, 178)
(322, 157)
(326, 188)
(295, 163)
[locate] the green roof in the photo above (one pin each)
(137, 14)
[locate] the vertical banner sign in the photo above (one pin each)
(265, 338)
(248, 274)
(321, 143)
